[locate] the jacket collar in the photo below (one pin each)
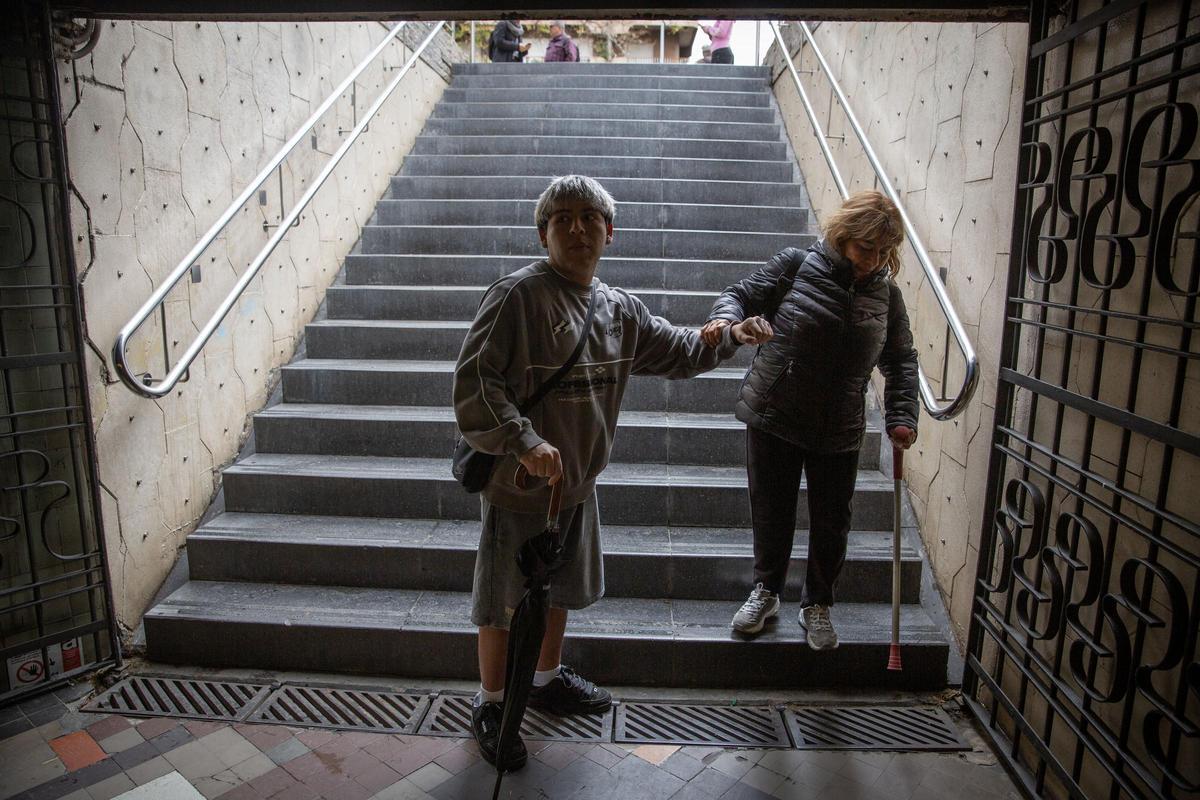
(841, 269)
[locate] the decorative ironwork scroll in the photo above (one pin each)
(1082, 649)
(55, 618)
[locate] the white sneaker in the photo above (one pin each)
(754, 613)
(815, 620)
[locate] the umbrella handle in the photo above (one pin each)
(521, 481)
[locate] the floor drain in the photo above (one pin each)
(873, 728)
(146, 696)
(343, 709)
(450, 715)
(718, 726)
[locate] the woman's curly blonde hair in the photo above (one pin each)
(872, 217)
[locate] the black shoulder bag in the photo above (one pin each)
(472, 468)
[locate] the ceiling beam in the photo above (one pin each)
(350, 10)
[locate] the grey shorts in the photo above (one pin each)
(499, 584)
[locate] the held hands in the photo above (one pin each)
(543, 461)
(755, 330)
(902, 436)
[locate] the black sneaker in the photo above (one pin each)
(485, 725)
(570, 694)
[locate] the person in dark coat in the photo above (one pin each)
(505, 44)
(803, 398)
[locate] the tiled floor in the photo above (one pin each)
(83, 756)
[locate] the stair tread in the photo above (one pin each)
(290, 605)
(400, 468)
(533, 201)
(405, 365)
(377, 532)
(352, 287)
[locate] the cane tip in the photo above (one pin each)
(894, 659)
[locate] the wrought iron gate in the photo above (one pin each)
(1082, 649)
(55, 617)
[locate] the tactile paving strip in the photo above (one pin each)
(725, 726)
(450, 715)
(148, 696)
(343, 709)
(873, 728)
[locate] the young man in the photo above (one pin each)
(561, 47)
(526, 328)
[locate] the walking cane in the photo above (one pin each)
(897, 476)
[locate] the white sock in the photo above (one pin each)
(490, 697)
(542, 678)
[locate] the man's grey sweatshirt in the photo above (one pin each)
(525, 329)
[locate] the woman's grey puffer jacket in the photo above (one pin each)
(808, 384)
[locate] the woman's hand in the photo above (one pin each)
(755, 330)
(902, 436)
(710, 334)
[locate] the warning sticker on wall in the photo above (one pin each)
(29, 668)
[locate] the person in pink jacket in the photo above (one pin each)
(720, 32)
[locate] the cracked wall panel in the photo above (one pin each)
(252, 345)
(948, 549)
(297, 45)
(93, 133)
(280, 298)
(108, 61)
(113, 290)
(156, 99)
(971, 271)
(162, 209)
(205, 296)
(97, 371)
(133, 176)
(131, 472)
(241, 39)
(244, 237)
(984, 119)
(272, 88)
(242, 129)
(942, 206)
(206, 174)
(200, 58)
(962, 430)
(920, 132)
(224, 412)
(186, 483)
(955, 48)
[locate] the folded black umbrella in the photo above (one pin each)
(538, 559)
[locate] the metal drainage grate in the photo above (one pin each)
(450, 715)
(147, 696)
(343, 709)
(873, 728)
(728, 726)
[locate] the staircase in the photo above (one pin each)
(346, 546)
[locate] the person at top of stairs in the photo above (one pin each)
(505, 43)
(526, 326)
(837, 314)
(561, 46)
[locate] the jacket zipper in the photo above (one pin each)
(786, 369)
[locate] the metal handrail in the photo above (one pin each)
(146, 387)
(971, 375)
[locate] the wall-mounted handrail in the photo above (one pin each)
(971, 373)
(146, 386)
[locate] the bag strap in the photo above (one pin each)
(783, 285)
(553, 380)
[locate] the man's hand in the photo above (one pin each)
(755, 330)
(543, 461)
(902, 436)
(710, 334)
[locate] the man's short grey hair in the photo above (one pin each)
(560, 25)
(571, 188)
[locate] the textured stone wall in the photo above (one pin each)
(941, 107)
(166, 123)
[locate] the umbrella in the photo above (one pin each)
(538, 559)
(897, 475)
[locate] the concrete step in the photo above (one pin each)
(675, 96)
(609, 81)
(433, 555)
(611, 128)
(625, 190)
(422, 431)
(681, 274)
(439, 340)
(522, 240)
(570, 110)
(591, 68)
(618, 641)
(460, 303)
(676, 216)
(629, 494)
(428, 383)
(717, 169)
(599, 146)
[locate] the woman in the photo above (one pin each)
(505, 44)
(803, 397)
(720, 32)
